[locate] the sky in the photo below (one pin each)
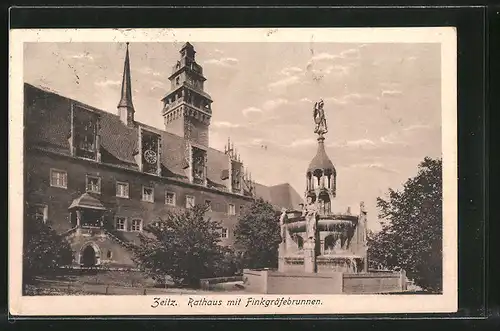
(382, 103)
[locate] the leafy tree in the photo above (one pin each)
(44, 250)
(258, 235)
(184, 246)
(411, 236)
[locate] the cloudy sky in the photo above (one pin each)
(382, 103)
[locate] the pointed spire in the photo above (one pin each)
(125, 106)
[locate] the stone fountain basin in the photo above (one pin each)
(325, 224)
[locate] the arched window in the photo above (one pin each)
(325, 205)
(329, 245)
(300, 242)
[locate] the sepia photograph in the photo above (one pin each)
(196, 173)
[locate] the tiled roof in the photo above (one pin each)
(285, 196)
(280, 196)
(119, 144)
(118, 139)
(87, 201)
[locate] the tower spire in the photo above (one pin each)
(125, 106)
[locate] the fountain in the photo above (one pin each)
(322, 251)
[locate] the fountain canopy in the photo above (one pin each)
(321, 163)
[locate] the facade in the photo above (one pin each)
(99, 178)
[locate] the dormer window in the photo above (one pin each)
(236, 170)
(150, 143)
(85, 129)
(199, 166)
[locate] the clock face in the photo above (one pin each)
(150, 156)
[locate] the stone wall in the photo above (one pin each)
(374, 282)
(304, 283)
(274, 282)
(111, 253)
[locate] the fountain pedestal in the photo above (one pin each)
(309, 257)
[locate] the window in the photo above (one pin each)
(189, 201)
(224, 233)
(58, 178)
(85, 129)
(150, 152)
(40, 213)
(136, 226)
(199, 166)
(208, 204)
(231, 209)
(93, 184)
(242, 209)
(121, 223)
(170, 198)
(122, 190)
(236, 169)
(109, 254)
(148, 194)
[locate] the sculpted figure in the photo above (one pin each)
(310, 212)
(362, 207)
(283, 225)
(319, 118)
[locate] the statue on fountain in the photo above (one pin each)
(311, 215)
(319, 118)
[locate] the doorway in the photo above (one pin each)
(89, 257)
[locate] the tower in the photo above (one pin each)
(321, 179)
(125, 106)
(187, 107)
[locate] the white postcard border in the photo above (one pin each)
(331, 304)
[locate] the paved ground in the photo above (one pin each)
(56, 287)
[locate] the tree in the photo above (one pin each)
(184, 246)
(44, 250)
(258, 234)
(411, 236)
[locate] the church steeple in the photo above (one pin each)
(125, 106)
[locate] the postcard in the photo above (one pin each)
(233, 171)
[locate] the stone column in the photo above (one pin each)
(78, 218)
(281, 257)
(78, 221)
(309, 256)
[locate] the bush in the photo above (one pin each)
(258, 234)
(44, 251)
(412, 237)
(184, 246)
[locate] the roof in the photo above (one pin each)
(87, 201)
(284, 195)
(321, 161)
(280, 196)
(119, 144)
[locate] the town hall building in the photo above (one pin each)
(99, 178)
